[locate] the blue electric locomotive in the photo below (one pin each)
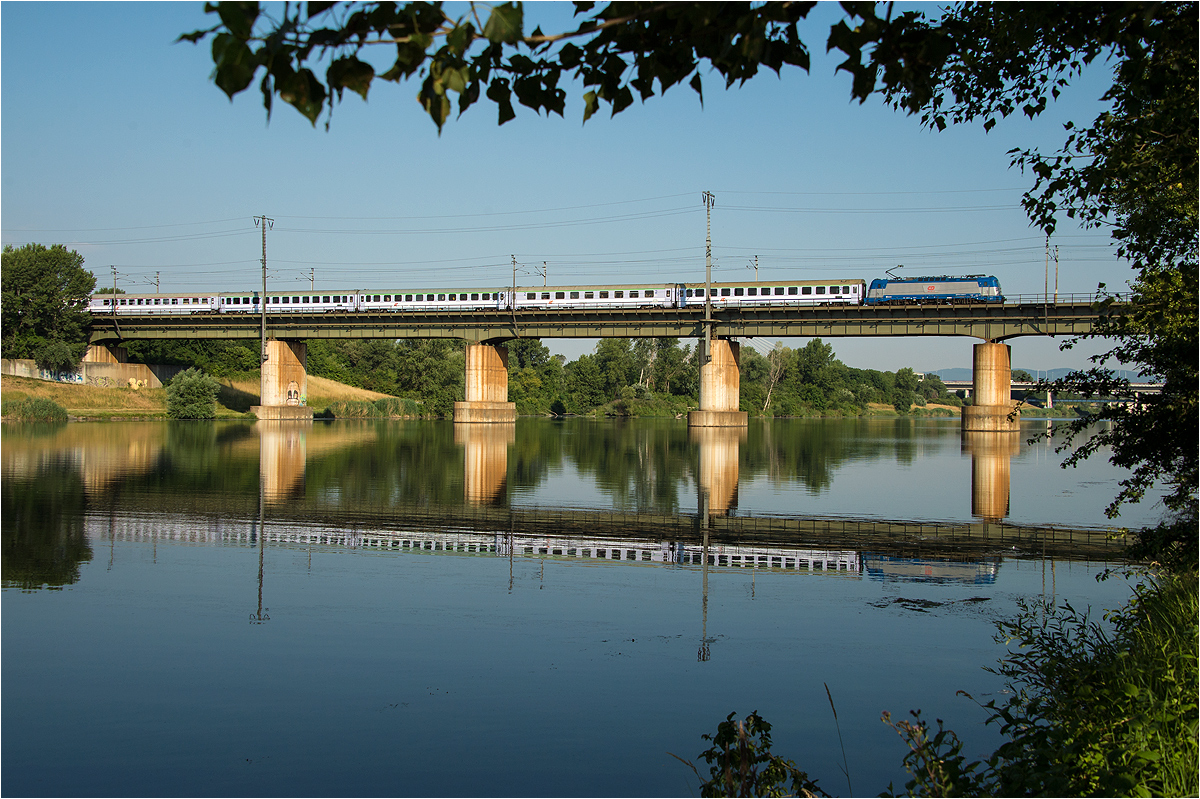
(941, 290)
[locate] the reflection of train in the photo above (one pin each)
(890, 569)
(670, 295)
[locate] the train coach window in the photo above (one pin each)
(157, 301)
(805, 290)
(485, 296)
(441, 297)
(845, 289)
(633, 294)
(724, 292)
(779, 291)
(587, 295)
(820, 289)
(545, 295)
(618, 295)
(739, 292)
(574, 295)
(387, 297)
(474, 296)
(753, 292)
(558, 295)
(604, 295)
(246, 301)
(174, 300)
(326, 299)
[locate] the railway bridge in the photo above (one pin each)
(284, 377)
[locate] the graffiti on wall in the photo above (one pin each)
(61, 377)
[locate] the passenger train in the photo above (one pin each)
(748, 294)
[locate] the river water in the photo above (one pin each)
(550, 608)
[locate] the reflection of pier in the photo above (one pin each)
(991, 467)
(719, 449)
(485, 460)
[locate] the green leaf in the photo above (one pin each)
(590, 105)
(504, 24)
(499, 93)
(460, 38)
(695, 84)
(303, 92)
(235, 64)
(350, 73)
(238, 17)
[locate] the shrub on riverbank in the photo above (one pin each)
(35, 409)
(1095, 709)
(192, 394)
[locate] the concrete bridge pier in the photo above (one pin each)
(105, 353)
(284, 386)
(992, 388)
(720, 388)
(486, 387)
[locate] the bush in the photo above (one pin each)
(1091, 711)
(192, 394)
(36, 409)
(58, 356)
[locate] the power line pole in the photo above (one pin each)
(1056, 274)
(709, 201)
(312, 278)
(263, 222)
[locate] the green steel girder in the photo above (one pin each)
(991, 323)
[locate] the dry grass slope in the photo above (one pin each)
(235, 398)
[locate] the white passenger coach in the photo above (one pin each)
(671, 295)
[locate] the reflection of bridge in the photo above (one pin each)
(284, 376)
(631, 551)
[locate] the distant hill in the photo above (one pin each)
(959, 373)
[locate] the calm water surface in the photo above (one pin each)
(406, 608)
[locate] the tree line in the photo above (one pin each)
(622, 376)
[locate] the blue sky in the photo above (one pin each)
(114, 142)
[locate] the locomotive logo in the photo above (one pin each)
(931, 288)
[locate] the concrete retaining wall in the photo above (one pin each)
(104, 375)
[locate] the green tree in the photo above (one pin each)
(906, 380)
(43, 304)
(192, 394)
(527, 352)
